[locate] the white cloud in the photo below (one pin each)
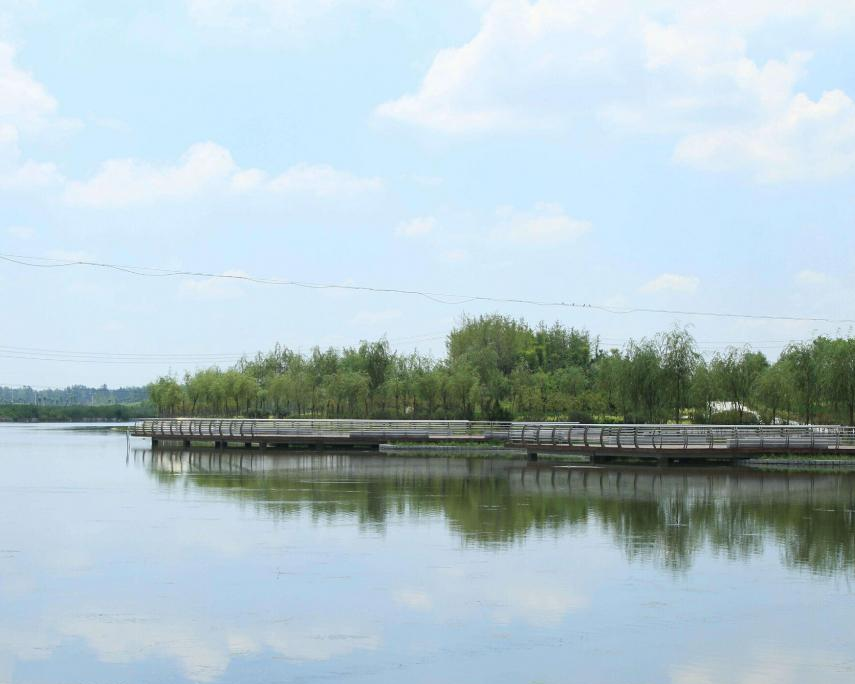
(769, 664)
(428, 181)
(538, 604)
(416, 227)
(671, 282)
(806, 140)
(215, 288)
(546, 224)
(203, 655)
(203, 169)
(677, 68)
(492, 81)
(30, 175)
(544, 604)
(261, 18)
(812, 278)
(375, 317)
(21, 232)
(128, 639)
(413, 599)
(323, 180)
(313, 642)
(455, 256)
(24, 102)
(26, 109)
(126, 182)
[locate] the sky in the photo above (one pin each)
(669, 155)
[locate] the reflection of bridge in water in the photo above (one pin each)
(666, 443)
(595, 479)
(661, 515)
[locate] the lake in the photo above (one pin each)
(119, 564)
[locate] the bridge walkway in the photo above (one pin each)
(663, 442)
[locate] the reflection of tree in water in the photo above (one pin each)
(657, 516)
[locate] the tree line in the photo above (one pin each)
(77, 413)
(75, 395)
(500, 368)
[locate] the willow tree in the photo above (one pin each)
(799, 359)
(642, 378)
(679, 361)
(836, 372)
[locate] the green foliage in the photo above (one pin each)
(32, 413)
(734, 376)
(75, 395)
(800, 364)
(498, 368)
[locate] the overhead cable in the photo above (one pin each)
(446, 298)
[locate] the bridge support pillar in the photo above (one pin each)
(532, 456)
(154, 442)
(186, 442)
(247, 445)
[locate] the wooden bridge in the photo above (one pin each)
(598, 441)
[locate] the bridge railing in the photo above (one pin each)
(523, 434)
(761, 437)
(249, 429)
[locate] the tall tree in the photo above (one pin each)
(836, 372)
(679, 361)
(800, 361)
(772, 389)
(642, 381)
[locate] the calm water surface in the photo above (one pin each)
(122, 565)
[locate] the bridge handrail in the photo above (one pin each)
(240, 428)
(676, 436)
(520, 433)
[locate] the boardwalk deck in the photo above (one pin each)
(662, 442)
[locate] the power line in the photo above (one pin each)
(130, 355)
(178, 358)
(124, 362)
(437, 297)
(126, 358)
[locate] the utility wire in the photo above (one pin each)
(437, 297)
(38, 354)
(121, 355)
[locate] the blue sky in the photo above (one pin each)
(669, 155)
